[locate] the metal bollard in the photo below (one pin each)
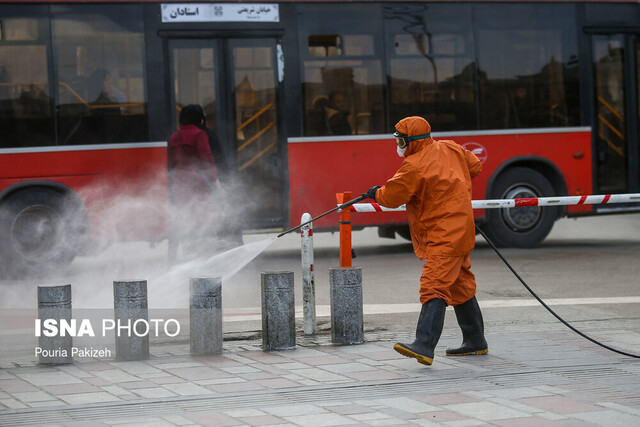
(54, 302)
(278, 311)
(347, 326)
(205, 314)
(132, 320)
(308, 283)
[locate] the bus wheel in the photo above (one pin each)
(521, 227)
(35, 228)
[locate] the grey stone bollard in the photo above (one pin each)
(54, 303)
(347, 326)
(278, 311)
(132, 320)
(205, 314)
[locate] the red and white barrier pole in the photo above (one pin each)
(345, 220)
(608, 199)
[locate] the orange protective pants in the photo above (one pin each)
(448, 278)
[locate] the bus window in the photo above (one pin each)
(342, 74)
(195, 78)
(431, 64)
(637, 47)
(99, 58)
(325, 45)
(609, 60)
(528, 74)
(26, 117)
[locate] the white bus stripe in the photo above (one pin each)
(93, 147)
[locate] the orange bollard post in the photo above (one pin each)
(345, 231)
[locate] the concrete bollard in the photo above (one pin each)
(54, 302)
(132, 319)
(278, 311)
(205, 315)
(347, 326)
(308, 282)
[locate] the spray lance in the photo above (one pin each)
(339, 207)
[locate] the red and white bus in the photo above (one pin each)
(304, 96)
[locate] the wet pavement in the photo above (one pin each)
(538, 374)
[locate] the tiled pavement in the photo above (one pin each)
(534, 375)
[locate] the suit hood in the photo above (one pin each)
(413, 126)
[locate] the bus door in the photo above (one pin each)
(237, 83)
(616, 59)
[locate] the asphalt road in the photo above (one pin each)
(579, 269)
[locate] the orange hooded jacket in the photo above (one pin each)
(434, 181)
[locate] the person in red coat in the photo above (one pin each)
(193, 183)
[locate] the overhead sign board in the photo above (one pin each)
(220, 12)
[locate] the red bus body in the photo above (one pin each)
(357, 164)
(107, 178)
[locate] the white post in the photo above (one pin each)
(308, 284)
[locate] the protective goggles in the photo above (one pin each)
(403, 139)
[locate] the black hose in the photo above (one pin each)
(547, 307)
(342, 206)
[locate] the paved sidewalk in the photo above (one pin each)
(534, 375)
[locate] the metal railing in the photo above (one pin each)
(611, 127)
(77, 96)
(257, 137)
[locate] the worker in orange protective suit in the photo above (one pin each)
(434, 181)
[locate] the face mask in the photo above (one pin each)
(401, 151)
